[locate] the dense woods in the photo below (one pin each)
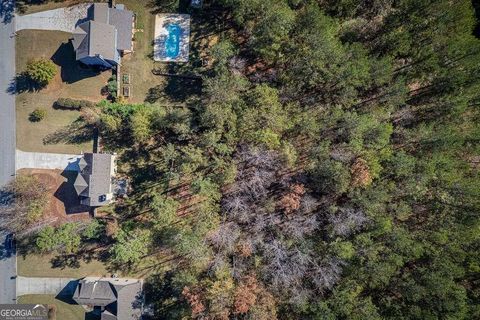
(329, 168)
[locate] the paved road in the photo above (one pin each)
(7, 99)
(27, 285)
(8, 271)
(37, 160)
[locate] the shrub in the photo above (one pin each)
(41, 71)
(112, 86)
(72, 104)
(37, 115)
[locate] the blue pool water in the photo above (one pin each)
(172, 43)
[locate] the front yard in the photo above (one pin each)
(64, 205)
(59, 131)
(53, 265)
(65, 311)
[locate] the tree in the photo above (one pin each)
(37, 115)
(245, 295)
(65, 238)
(140, 123)
(41, 71)
(130, 247)
(30, 199)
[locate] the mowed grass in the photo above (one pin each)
(72, 81)
(52, 265)
(140, 64)
(37, 6)
(65, 311)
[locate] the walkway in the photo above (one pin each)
(7, 100)
(36, 160)
(63, 19)
(27, 285)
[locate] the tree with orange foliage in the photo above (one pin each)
(245, 295)
(290, 202)
(360, 171)
(194, 300)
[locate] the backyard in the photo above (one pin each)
(140, 64)
(65, 311)
(59, 131)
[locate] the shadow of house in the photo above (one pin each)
(67, 194)
(67, 292)
(71, 70)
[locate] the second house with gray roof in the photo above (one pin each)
(94, 182)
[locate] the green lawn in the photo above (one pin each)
(43, 5)
(65, 311)
(52, 265)
(57, 132)
(139, 64)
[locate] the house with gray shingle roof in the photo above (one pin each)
(117, 298)
(105, 36)
(94, 182)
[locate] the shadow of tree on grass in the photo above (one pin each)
(22, 83)
(75, 133)
(178, 89)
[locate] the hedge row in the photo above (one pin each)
(72, 104)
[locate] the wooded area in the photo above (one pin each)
(329, 168)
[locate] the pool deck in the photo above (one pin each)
(161, 34)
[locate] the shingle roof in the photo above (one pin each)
(100, 12)
(94, 292)
(80, 184)
(81, 40)
(103, 40)
(129, 298)
(106, 315)
(94, 181)
(125, 296)
(109, 30)
(82, 164)
(122, 20)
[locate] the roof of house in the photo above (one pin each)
(128, 298)
(125, 296)
(93, 292)
(109, 30)
(106, 315)
(94, 181)
(123, 22)
(93, 38)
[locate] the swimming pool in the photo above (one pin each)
(172, 43)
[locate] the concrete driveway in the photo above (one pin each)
(63, 19)
(27, 285)
(37, 160)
